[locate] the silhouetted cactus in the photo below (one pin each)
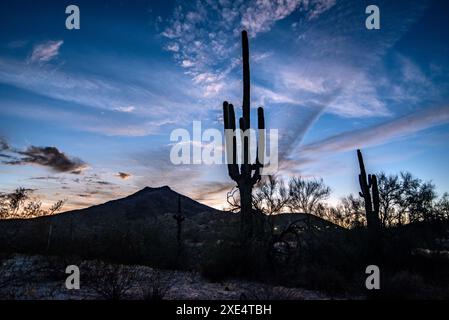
(179, 219)
(370, 193)
(248, 174)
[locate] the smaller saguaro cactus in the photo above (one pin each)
(370, 193)
(179, 219)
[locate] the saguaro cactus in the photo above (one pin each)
(370, 193)
(179, 219)
(249, 173)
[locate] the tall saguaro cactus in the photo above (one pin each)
(249, 173)
(370, 193)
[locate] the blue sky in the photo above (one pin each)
(106, 97)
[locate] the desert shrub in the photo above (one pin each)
(155, 285)
(110, 281)
(404, 285)
(135, 243)
(323, 278)
(21, 274)
(226, 260)
(267, 292)
(221, 262)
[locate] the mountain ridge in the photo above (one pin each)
(150, 200)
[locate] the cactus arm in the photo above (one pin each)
(362, 186)
(235, 167)
(260, 159)
(232, 117)
(230, 140)
(375, 193)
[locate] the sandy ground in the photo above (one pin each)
(34, 277)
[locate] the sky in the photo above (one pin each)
(86, 115)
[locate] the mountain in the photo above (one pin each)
(148, 202)
(141, 220)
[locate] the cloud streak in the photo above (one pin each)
(46, 51)
(130, 105)
(4, 144)
(204, 34)
(379, 134)
(124, 175)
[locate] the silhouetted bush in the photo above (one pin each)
(233, 260)
(267, 292)
(404, 285)
(324, 278)
(155, 285)
(110, 281)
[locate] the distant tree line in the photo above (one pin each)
(21, 204)
(403, 199)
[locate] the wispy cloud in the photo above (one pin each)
(46, 51)
(204, 34)
(124, 175)
(76, 119)
(144, 102)
(260, 15)
(212, 193)
(125, 109)
(16, 44)
(379, 134)
(4, 144)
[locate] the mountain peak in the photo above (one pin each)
(148, 191)
(167, 188)
(152, 201)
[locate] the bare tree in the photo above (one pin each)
(414, 201)
(306, 195)
(4, 206)
(56, 207)
(442, 207)
(32, 209)
(349, 213)
(271, 195)
(233, 200)
(21, 204)
(403, 198)
(13, 201)
(389, 192)
(422, 206)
